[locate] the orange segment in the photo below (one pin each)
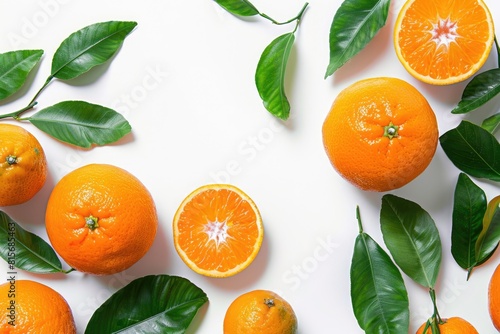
(443, 42)
(218, 230)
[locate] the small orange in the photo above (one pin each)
(101, 219)
(218, 230)
(260, 311)
(380, 133)
(453, 325)
(23, 167)
(29, 307)
(494, 297)
(443, 42)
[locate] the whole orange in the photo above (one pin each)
(494, 297)
(260, 311)
(101, 219)
(453, 325)
(23, 166)
(380, 133)
(29, 307)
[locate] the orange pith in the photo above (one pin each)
(453, 325)
(23, 166)
(380, 134)
(101, 219)
(217, 230)
(38, 310)
(443, 42)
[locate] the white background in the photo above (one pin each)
(184, 79)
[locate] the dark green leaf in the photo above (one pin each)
(491, 123)
(238, 7)
(25, 250)
(354, 25)
(151, 304)
(81, 123)
(468, 211)
(270, 75)
(89, 47)
(482, 88)
(473, 150)
(490, 236)
(413, 239)
(378, 294)
(15, 66)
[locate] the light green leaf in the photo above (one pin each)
(81, 123)
(15, 66)
(238, 7)
(270, 75)
(89, 47)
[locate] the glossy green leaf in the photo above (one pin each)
(412, 238)
(81, 123)
(378, 293)
(15, 66)
(270, 75)
(473, 150)
(482, 88)
(89, 47)
(149, 305)
(238, 7)
(490, 236)
(491, 123)
(25, 250)
(354, 25)
(467, 221)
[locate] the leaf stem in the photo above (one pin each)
(498, 50)
(358, 217)
(49, 79)
(436, 318)
(18, 113)
(296, 18)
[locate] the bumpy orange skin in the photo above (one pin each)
(454, 325)
(258, 312)
(23, 166)
(37, 309)
(125, 212)
(354, 140)
(494, 298)
(443, 42)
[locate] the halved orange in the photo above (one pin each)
(443, 42)
(218, 230)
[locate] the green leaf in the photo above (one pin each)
(15, 66)
(89, 47)
(482, 88)
(270, 75)
(238, 7)
(468, 211)
(25, 250)
(151, 304)
(378, 293)
(81, 123)
(412, 237)
(490, 236)
(354, 25)
(491, 123)
(473, 150)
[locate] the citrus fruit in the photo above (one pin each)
(23, 167)
(454, 325)
(29, 307)
(443, 42)
(494, 297)
(260, 311)
(380, 133)
(101, 219)
(218, 230)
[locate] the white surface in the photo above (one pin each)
(185, 81)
